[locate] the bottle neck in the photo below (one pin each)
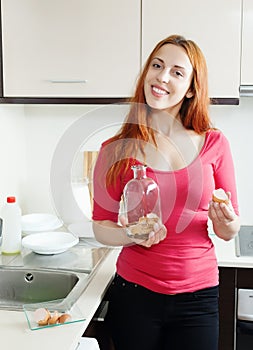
(139, 171)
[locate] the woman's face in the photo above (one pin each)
(168, 78)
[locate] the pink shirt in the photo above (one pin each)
(185, 260)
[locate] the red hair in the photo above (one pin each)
(194, 112)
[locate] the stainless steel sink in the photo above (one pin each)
(19, 285)
(29, 278)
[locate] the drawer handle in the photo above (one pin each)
(246, 90)
(68, 81)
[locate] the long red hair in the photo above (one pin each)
(194, 112)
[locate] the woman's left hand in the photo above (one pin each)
(156, 236)
(225, 221)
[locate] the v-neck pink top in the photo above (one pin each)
(185, 260)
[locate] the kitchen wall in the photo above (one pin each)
(237, 124)
(30, 133)
(13, 153)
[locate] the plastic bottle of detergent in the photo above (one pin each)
(11, 227)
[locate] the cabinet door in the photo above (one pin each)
(245, 278)
(65, 48)
(213, 24)
(247, 47)
(227, 306)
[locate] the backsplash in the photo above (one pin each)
(13, 153)
(30, 133)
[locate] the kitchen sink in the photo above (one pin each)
(19, 286)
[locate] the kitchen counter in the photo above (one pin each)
(14, 328)
(226, 254)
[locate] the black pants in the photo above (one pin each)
(139, 319)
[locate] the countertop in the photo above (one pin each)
(14, 328)
(226, 254)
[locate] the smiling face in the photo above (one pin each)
(168, 79)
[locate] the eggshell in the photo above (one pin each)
(41, 316)
(64, 318)
(220, 196)
(54, 318)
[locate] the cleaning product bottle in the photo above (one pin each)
(11, 230)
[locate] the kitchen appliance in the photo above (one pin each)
(86, 343)
(244, 241)
(244, 322)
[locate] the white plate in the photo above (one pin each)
(42, 229)
(40, 222)
(48, 243)
(82, 229)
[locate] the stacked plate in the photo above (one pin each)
(48, 243)
(41, 235)
(40, 222)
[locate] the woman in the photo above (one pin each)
(165, 292)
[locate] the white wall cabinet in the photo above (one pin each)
(247, 44)
(214, 25)
(65, 48)
(94, 49)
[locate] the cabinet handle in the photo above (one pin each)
(68, 81)
(246, 90)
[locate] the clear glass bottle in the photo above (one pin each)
(141, 199)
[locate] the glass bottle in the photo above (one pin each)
(141, 199)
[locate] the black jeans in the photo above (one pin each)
(139, 319)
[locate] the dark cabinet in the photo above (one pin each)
(97, 328)
(231, 279)
(227, 302)
(245, 278)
